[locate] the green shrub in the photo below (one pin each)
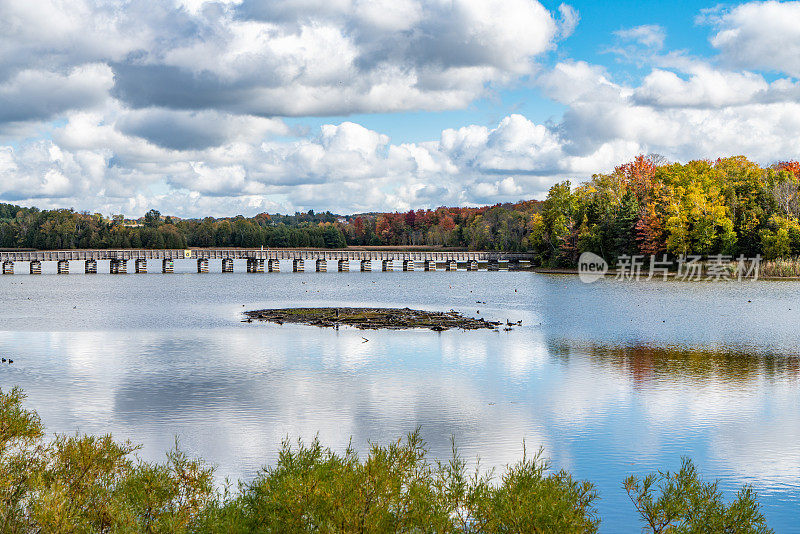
(681, 503)
(88, 484)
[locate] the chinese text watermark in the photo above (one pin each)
(715, 268)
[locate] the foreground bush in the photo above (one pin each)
(397, 490)
(90, 484)
(94, 484)
(684, 503)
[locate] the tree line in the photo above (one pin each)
(68, 229)
(501, 227)
(729, 206)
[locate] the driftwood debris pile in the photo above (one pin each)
(371, 318)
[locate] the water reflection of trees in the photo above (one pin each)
(646, 363)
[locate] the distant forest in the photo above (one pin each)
(730, 206)
(496, 227)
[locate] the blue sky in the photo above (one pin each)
(197, 107)
(591, 42)
(600, 20)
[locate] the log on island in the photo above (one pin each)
(371, 318)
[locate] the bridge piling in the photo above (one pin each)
(366, 266)
(298, 266)
(408, 265)
(255, 265)
(344, 266)
(429, 265)
(8, 267)
(227, 265)
(500, 265)
(386, 265)
(140, 266)
(274, 266)
(90, 267)
(118, 267)
(167, 266)
(202, 265)
(322, 266)
(36, 267)
(63, 267)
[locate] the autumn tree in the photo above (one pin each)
(650, 231)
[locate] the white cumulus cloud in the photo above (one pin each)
(760, 36)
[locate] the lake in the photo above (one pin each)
(611, 378)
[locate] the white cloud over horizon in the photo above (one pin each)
(181, 107)
(759, 35)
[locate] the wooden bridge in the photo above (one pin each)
(257, 258)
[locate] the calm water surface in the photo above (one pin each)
(610, 378)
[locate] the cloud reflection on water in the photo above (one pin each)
(232, 395)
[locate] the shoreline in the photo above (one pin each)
(670, 275)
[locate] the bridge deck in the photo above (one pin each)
(257, 253)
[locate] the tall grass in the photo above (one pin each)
(780, 268)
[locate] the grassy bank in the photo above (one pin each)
(95, 484)
(780, 268)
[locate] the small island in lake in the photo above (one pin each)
(371, 318)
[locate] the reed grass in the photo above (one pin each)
(780, 268)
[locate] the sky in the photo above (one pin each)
(229, 107)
